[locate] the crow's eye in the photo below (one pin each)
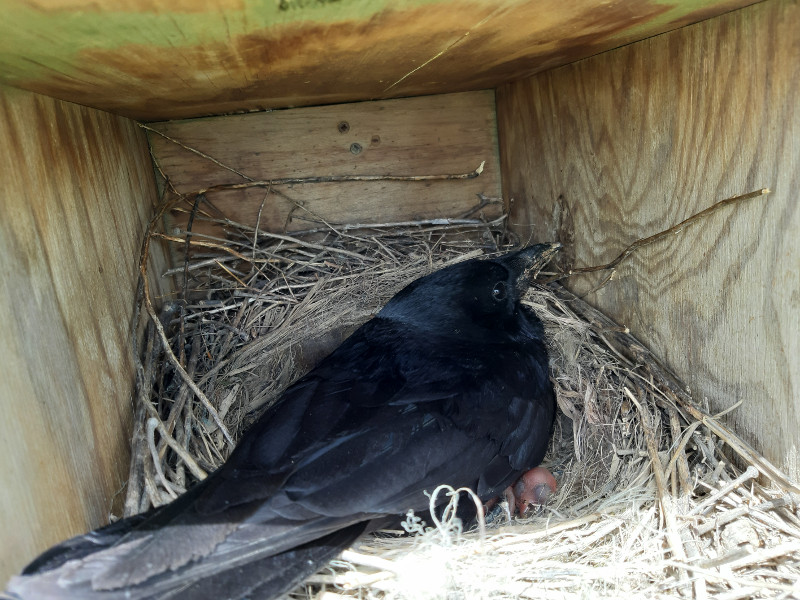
(500, 291)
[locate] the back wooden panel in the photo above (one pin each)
(76, 192)
(413, 136)
(625, 144)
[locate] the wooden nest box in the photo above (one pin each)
(599, 123)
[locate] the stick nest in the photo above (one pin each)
(656, 497)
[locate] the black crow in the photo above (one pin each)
(448, 383)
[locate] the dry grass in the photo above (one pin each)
(651, 502)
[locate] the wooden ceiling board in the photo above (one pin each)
(153, 60)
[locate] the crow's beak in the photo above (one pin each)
(529, 261)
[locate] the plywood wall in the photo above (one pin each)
(430, 135)
(76, 192)
(165, 60)
(620, 146)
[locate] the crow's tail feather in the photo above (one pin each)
(262, 578)
(272, 576)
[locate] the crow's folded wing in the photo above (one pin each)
(362, 436)
(375, 411)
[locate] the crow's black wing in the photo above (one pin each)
(389, 401)
(388, 415)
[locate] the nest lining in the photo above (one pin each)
(656, 497)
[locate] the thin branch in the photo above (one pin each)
(671, 231)
(738, 445)
(673, 535)
(336, 179)
(634, 352)
(195, 151)
(231, 251)
(145, 254)
(750, 473)
(398, 224)
(787, 500)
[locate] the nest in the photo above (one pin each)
(657, 498)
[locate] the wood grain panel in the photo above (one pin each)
(625, 144)
(76, 191)
(413, 136)
(158, 60)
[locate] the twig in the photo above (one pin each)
(763, 555)
(152, 494)
(603, 530)
(443, 222)
(750, 473)
(196, 469)
(679, 456)
(195, 151)
(185, 283)
(720, 519)
(239, 255)
(160, 328)
(738, 445)
(152, 424)
(675, 542)
(672, 230)
(183, 393)
(693, 553)
(232, 274)
(258, 221)
(144, 387)
(634, 352)
(335, 179)
(199, 264)
(732, 579)
(368, 560)
(192, 385)
(484, 201)
(544, 533)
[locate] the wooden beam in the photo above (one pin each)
(448, 134)
(625, 144)
(164, 60)
(76, 192)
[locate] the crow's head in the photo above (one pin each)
(469, 298)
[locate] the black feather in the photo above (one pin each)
(447, 384)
